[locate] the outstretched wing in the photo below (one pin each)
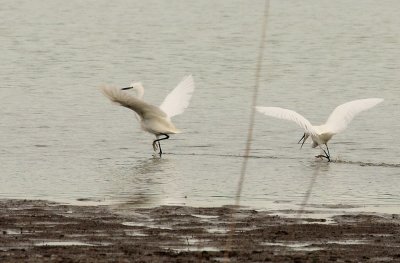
(124, 98)
(343, 114)
(178, 100)
(289, 115)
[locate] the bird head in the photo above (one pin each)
(136, 86)
(304, 138)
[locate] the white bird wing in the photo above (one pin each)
(343, 114)
(289, 115)
(178, 100)
(124, 98)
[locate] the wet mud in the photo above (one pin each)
(40, 231)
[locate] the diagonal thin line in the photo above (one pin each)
(253, 104)
(250, 128)
(306, 197)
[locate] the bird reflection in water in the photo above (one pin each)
(150, 182)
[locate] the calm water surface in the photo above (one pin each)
(62, 140)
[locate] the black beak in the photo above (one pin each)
(126, 88)
(302, 139)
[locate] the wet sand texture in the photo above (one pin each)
(38, 231)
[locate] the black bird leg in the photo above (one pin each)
(158, 142)
(327, 154)
(159, 147)
(327, 149)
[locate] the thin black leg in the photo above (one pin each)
(327, 149)
(327, 155)
(158, 141)
(159, 147)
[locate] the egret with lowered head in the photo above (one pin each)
(153, 119)
(337, 121)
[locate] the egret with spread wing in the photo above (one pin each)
(153, 119)
(337, 121)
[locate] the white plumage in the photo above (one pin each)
(337, 121)
(153, 119)
(178, 100)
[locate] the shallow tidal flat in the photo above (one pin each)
(37, 231)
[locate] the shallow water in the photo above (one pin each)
(62, 140)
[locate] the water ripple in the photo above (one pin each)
(394, 165)
(360, 163)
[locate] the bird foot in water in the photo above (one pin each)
(156, 155)
(321, 156)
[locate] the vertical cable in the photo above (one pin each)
(307, 194)
(306, 197)
(251, 124)
(253, 104)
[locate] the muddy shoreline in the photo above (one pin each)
(41, 231)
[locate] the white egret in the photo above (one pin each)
(337, 121)
(153, 119)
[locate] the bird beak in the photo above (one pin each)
(304, 138)
(126, 88)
